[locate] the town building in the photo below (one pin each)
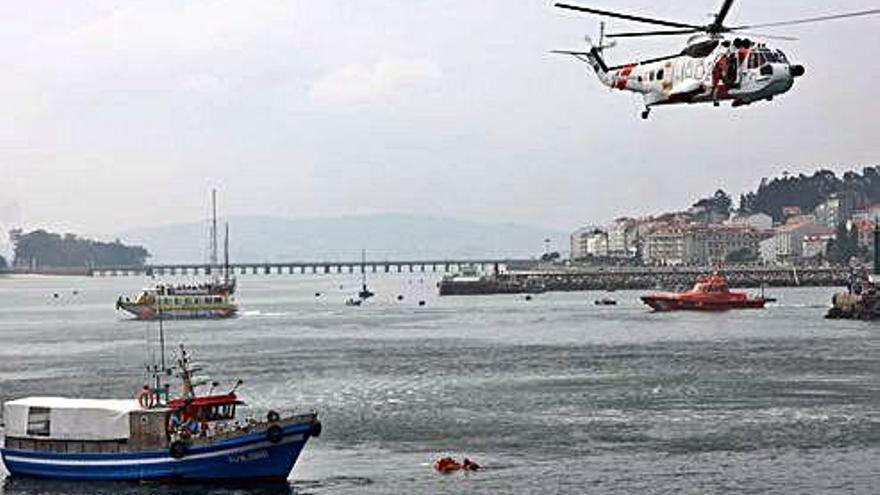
(700, 245)
(622, 238)
(834, 211)
(597, 244)
(815, 247)
(589, 242)
(757, 221)
(787, 243)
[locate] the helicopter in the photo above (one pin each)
(710, 69)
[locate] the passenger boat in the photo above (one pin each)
(192, 437)
(209, 299)
(710, 293)
(179, 302)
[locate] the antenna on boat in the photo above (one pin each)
(235, 387)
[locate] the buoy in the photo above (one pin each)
(317, 294)
(400, 297)
(421, 303)
(146, 398)
(55, 295)
(528, 298)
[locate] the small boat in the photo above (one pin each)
(606, 301)
(189, 438)
(710, 293)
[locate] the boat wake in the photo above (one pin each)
(264, 314)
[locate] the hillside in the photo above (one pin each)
(387, 236)
(806, 192)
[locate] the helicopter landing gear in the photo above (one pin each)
(646, 113)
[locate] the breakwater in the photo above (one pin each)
(643, 278)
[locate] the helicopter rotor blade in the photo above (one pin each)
(769, 36)
(718, 25)
(638, 34)
(628, 17)
(809, 20)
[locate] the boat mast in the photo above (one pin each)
(213, 228)
(364, 269)
(226, 254)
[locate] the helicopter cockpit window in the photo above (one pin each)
(702, 49)
(660, 75)
(781, 57)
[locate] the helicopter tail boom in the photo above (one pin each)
(593, 57)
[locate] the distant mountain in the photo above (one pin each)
(385, 236)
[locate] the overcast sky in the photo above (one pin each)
(124, 114)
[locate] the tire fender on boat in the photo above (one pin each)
(316, 429)
(178, 449)
(274, 434)
(273, 416)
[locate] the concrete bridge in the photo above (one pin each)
(318, 267)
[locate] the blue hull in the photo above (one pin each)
(248, 457)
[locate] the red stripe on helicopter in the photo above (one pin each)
(623, 76)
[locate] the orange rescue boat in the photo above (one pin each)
(710, 293)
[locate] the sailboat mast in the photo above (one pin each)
(364, 268)
(213, 228)
(226, 253)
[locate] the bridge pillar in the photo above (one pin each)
(326, 269)
(373, 266)
(267, 270)
(387, 267)
(422, 268)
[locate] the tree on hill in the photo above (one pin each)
(807, 192)
(719, 203)
(845, 246)
(46, 249)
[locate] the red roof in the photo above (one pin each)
(209, 400)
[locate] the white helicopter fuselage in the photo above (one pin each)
(706, 71)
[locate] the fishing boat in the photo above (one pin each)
(213, 298)
(709, 293)
(191, 437)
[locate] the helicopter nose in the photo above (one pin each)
(797, 70)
